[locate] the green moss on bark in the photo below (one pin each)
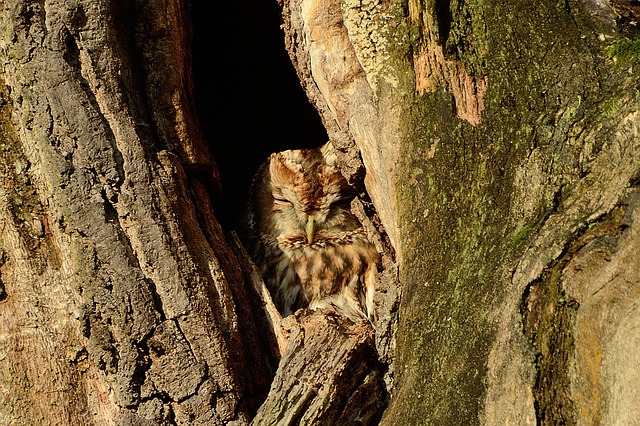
(625, 51)
(457, 195)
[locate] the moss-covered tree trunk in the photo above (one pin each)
(501, 144)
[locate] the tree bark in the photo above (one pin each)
(123, 303)
(498, 143)
(329, 374)
(501, 151)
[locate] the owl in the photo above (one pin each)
(310, 249)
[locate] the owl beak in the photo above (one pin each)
(311, 228)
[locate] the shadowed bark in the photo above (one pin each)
(328, 375)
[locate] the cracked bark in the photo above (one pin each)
(343, 386)
(121, 296)
(124, 303)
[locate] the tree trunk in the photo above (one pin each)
(499, 146)
(501, 149)
(123, 302)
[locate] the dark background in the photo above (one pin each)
(248, 97)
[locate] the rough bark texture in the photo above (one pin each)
(500, 143)
(329, 374)
(123, 303)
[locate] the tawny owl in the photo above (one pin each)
(310, 249)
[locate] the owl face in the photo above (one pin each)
(306, 197)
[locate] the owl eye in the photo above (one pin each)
(280, 200)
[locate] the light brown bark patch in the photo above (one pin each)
(433, 71)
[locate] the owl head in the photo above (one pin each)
(302, 195)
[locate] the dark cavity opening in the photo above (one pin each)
(248, 97)
(443, 14)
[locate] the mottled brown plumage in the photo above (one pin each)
(298, 227)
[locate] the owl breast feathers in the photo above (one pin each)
(310, 249)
